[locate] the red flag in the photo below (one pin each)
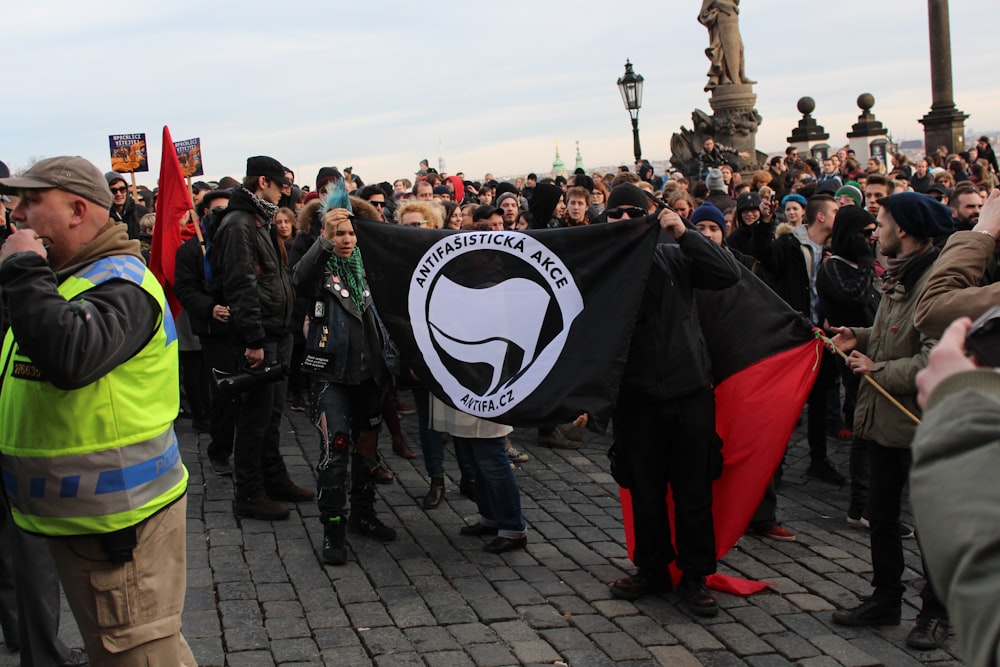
(755, 413)
(764, 363)
(173, 201)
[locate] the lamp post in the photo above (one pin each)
(630, 86)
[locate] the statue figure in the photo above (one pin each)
(725, 49)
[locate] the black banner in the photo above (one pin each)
(523, 328)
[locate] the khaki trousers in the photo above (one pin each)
(130, 614)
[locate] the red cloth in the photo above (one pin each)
(459, 189)
(173, 201)
(756, 411)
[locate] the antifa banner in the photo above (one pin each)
(189, 156)
(128, 152)
(764, 362)
(522, 328)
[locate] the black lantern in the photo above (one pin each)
(630, 86)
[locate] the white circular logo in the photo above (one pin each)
(491, 312)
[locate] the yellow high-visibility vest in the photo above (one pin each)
(104, 456)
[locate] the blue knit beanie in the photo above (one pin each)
(711, 212)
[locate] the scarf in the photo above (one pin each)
(265, 208)
(351, 271)
(111, 239)
(895, 277)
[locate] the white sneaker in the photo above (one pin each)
(516, 456)
(863, 522)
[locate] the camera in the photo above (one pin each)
(983, 340)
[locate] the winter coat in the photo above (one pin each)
(341, 337)
(962, 282)
(956, 501)
(667, 356)
(250, 276)
(899, 351)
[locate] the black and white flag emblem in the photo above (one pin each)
(524, 328)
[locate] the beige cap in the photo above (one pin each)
(70, 173)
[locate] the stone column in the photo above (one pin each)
(808, 134)
(944, 125)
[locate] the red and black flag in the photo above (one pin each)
(764, 362)
(533, 328)
(523, 328)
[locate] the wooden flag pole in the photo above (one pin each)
(194, 217)
(879, 388)
(135, 188)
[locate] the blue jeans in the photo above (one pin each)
(353, 416)
(498, 495)
(431, 442)
(258, 424)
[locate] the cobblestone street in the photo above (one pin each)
(258, 594)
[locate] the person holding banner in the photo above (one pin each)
(348, 359)
(664, 421)
(123, 206)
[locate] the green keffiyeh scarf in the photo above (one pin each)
(351, 271)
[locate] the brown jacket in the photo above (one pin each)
(899, 352)
(953, 289)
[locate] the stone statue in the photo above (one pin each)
(725, 49)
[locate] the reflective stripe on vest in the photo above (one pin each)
(73, 491)
(103, 456)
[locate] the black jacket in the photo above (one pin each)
(847, 294)
(250, 276)
(921, 185)
(194, 293)
(667, 356)
(130, 215)
(77, 342)
(845, 281)
(784, 261)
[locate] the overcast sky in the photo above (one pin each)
(495, 84)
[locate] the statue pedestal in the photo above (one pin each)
(735, 122)
(732, 97)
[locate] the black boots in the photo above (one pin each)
(335, 542)
(434, 494)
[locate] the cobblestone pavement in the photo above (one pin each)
(258, 594)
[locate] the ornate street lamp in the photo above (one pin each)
(630, 86)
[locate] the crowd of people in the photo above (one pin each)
(276, 303)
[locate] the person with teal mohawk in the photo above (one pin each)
(348, 359)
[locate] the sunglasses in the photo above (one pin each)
(380, 204)
(868, 232)
(626, 212)
(121, 189)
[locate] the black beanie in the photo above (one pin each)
(920, 215)
(504, 187)
(325, 175)
(627, 194)
(748, 201)
(584, 181)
